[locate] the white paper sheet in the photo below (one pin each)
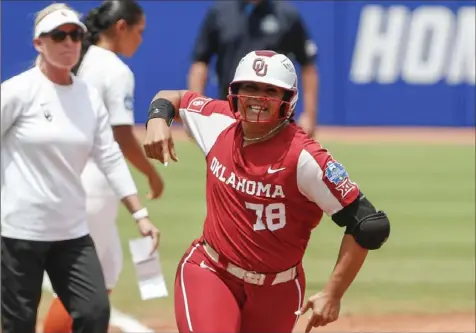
(148, 269)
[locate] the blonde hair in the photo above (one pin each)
(50, 9)
(45, 12)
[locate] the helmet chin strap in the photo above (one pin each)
(270, 132)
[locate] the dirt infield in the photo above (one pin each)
(455, 323)
(399, 323)
(414, 323)
(426, 135)
(410, 322)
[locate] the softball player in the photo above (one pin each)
(114, 27)
(267, 187)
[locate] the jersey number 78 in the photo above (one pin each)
(273, 214)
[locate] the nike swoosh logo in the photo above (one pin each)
(203, 265)
(271, 171)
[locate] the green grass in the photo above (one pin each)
(427, 264)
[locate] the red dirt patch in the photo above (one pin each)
(458, 322)
(399, 323)
(415, 323)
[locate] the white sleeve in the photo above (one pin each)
(325, 182)
(11, 106)
(205, 129)
(119, 98)
(109, 158)
(204, 119)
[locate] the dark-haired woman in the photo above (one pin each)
(113, 28)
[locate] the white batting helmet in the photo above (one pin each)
(271, 68)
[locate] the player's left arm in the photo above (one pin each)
(325, 181)
(366, 229)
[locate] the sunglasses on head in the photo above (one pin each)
(76, 35)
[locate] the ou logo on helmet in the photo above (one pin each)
(260, 67)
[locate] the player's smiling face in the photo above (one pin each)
(259, 102)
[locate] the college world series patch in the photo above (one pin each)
(335, 172)
(337, 175)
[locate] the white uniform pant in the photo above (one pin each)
(102, 214)
(102, 208)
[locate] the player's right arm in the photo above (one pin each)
(174, 97)
(205, 118)
(158, 143)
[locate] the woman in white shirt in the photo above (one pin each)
(113, 27)
(52, 123)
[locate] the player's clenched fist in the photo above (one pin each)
(158, 142)
(325, 310)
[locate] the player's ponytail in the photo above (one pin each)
(93, 23)
(100, 19)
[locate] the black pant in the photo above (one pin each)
(76, 276)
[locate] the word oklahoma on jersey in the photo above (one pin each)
(261, 207)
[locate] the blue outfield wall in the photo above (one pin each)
(381, 62)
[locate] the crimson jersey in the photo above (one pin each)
(263, 200)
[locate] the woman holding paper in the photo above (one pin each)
(52, 123)
(148, 269)
(113, 27)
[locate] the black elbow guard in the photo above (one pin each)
(161, 108)
(372, 231)
(369, 228)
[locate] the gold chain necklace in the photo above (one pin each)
(267, 134)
